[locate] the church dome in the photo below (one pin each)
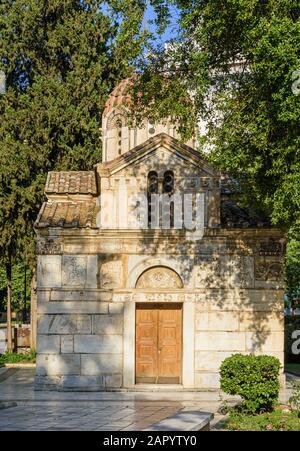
(119, 135)
(119, 96)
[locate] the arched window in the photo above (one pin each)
(119, 135)
(114, 135)
(152, 189)
(168, 188)
(168, 183)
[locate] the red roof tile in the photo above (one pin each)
(119, 96)
(68, 214)
(71, 182)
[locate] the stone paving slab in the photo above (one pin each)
(106, 411)
(60, 417)
(184, 421)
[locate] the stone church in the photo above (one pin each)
(130, 292)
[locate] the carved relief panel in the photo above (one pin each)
(111, 274)
(74, 271)
(269, 271)
(49, 246)
(159, 277)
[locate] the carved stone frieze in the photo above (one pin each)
(159, 277)
(74, 271)
(269, 271)
(111, 274)
(270, 247)
(49, 247)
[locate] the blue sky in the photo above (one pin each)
(170, 32)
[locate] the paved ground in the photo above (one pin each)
(106, 411)
(87, 411)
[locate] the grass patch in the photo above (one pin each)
(277, 420)
(12, 357)
(293, 367)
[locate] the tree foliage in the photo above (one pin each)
(61, 59)
(18, 282)
(238, 60)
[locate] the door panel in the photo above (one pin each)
(158, 343)
(169, 346)
(146, 345)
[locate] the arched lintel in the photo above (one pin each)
(149, 263)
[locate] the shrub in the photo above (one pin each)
(254, 378)
(12, 357)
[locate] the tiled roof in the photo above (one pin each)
(71, 182)
(119, 96)
(68, 214)
(234, 216)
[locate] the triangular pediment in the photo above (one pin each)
(160, 146)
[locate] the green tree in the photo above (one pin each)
(20, 288)
(61, 58)
(242, 56)
(240, 59)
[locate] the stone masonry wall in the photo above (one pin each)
(80, 329)
(232, 302)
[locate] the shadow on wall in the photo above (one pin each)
(225, 268)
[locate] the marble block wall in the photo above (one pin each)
(232, 303)
(80, 329)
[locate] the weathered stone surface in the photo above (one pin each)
(208, 380)
(73, 271)
(269, 272)
(242, 302)
(93, 344)
(108, 324)
(95, 364)
(217, 321)
(56, 365)
(49, 271)
(46, 382)
(83, 382)
(159, 278)
(80, 295)
(184, 421)
(210, 360)
(267, 321)
(111, 274)
(67, 344)
(80, 307)
(48, 344)
(115, 308)
(43, 295)
(65, 324)
(215, 341)
(264, 341)
(113, 381)
(92, 272)
(222, 271)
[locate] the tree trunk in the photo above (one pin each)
(8, 308)
(33, 316)
(24, 310)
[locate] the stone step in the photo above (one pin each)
(184, 421)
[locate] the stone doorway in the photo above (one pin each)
(158, 356)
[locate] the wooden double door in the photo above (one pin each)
(158, 343)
